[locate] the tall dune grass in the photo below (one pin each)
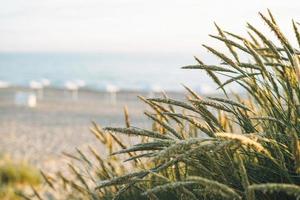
(16, 178)
(228, 147)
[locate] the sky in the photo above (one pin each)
(131, 26)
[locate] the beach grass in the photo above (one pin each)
(229, 147)
(16, 177)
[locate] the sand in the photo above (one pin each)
(60, 124)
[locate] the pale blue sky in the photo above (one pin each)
(128, 25)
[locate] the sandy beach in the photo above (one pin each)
(59, 123)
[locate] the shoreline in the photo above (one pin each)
(91, 89)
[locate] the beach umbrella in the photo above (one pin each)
(45, 82)
(73, 88)
(80, 83)
(154, 89)
(4, 84)
(112, 90)
(37, 87)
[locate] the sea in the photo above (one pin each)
(127, 71)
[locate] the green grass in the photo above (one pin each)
(251, 145)
(15, 176)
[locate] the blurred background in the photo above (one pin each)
(132, 44)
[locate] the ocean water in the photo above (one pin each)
(126, 71)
